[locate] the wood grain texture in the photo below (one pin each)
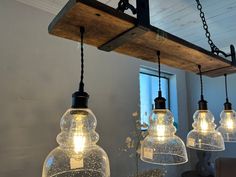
(103, 23)
(98, 30)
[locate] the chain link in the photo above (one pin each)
(214, 48)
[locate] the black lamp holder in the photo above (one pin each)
(160, 102)
(227, 104)
(202, 104)
(80, 97)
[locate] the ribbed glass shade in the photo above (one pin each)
(228, 125)
(77, 154)
(162, 146)
(204, 136)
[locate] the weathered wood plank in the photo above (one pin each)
(103, 23)
(96, 22)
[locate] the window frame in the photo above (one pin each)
(168, 83)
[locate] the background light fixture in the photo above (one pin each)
(228, 119)
(204, 136)
(77, 153)
(161, 145)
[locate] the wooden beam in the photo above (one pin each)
(106, 26)
(123, 38)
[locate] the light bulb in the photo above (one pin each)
(230, 120)
(77, 129)
(160, 127)
(204, 136)
(79, 143)
(228, 125)
(162, 146)
(204, 126)
(161, 130)
(203, 122)
(77, 154)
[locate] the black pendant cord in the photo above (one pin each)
(160, 102)
(227, 104)
(159, 70)
(202, 103)
(80, 98)
(81, 85)
(226, 88)
(201, 82)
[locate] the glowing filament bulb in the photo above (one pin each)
(160, 127)
(204, 125)
(229, 121)
(229, 124)
(161, 130)
(203, 122)
(79, 143)
(79, 138)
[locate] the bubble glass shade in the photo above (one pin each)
(228, 125)
(162, 146)
(78, 154)
(204, 135)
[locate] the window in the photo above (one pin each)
(149, 91)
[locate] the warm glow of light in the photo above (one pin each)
(79, 143)
(229, 121)
(160, 127)
(203, 123)
(79, 139)
(161, 130)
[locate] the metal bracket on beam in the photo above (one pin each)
(142, 26)
(124, 5)
(143, 14)
(233, 55)
(123, 38)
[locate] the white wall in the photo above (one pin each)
(214, 93)
(38, 74)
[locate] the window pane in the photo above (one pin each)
(149, 91)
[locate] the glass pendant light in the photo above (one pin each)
(162, 146)
(204, 136)
(228, 119)
(77, 154)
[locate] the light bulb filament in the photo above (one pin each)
(79, 143)
(229, 124)
(160, 130)
(204, 125)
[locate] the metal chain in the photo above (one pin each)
(214, 48)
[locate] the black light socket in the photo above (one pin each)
(227, 105)
(202, 104)
(160, 102)
(80, 100)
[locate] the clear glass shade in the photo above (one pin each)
(204, 136)
(77, 153)
(162, 146)
(228, 125)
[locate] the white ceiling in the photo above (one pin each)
(179, 17)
